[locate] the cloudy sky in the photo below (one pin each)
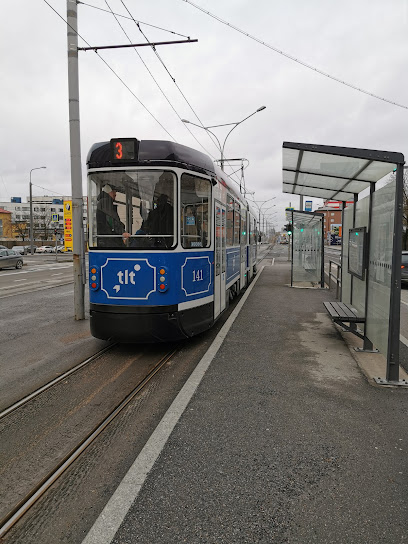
(224, 78)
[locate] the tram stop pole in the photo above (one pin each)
(76, 173)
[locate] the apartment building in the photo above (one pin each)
(44, 207)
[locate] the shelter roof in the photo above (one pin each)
(330, 172)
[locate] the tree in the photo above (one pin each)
(21, 229)
(43, 227)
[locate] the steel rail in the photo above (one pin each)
(55, 381)
(29, 500)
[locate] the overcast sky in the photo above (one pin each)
(225, 77)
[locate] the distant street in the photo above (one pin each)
(38, 272)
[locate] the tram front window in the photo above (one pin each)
(132, 209)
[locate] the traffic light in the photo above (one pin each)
(55, 232)
(288, 229)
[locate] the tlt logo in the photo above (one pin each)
(126, 277)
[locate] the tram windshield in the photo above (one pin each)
(132, 209)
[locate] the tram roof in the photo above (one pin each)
(333, 173)
(161, 153)
(153, 153)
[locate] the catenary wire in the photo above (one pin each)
(154, 79)
(113, 71)
(294, 59)
(130, 18)
(175, 83)
(110, 11)
(45, 189)
(167, 70)
(127, 87)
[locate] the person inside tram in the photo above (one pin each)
(108, 221)
(158, 222)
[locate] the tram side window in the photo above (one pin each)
(132, 209)
(230, 221)
(244, 233)
(237, 224)
(195, 217)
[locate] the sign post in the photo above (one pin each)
(55, 221)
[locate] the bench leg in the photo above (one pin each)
(367, 347)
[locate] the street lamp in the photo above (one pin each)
(221, 148)
(31, 211)
(263, 202)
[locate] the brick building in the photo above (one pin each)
(6, 231)
(332, 220)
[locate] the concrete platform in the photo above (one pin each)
(278, 436)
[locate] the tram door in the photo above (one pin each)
(219, 259)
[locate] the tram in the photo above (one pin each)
(170, 241)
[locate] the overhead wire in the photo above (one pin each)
(130, 18)
(294, 59)
(46, 189)
(125, 85)
(167, 70)
(175, 83)
(112, 70)
(154, 79)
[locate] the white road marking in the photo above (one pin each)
(38, 269)
(105, 527)
(403, 340)
(59, 274)
(25, 279)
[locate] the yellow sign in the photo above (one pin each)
(68, 235)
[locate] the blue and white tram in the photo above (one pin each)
(170, 241)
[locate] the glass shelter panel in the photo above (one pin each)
(345, 276)
(137, 202)
(307, 248)
(380, 267)
(359, 286)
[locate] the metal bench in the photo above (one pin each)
(309, 266)
(342, 313)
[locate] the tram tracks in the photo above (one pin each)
(17, 509)
(55, 381)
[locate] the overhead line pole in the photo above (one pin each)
(76, 173)
(75, 149)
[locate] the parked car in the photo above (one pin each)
(10, 258)
(404, 267)
(20, 249)
(45, 249)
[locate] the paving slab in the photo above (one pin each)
(284, 440)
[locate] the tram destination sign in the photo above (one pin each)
(124, 149)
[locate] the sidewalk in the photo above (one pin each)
(283, 441)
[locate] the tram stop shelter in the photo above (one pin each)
(371, 246)
(307, 248)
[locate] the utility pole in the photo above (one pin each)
(76, 174)
(75, 147)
